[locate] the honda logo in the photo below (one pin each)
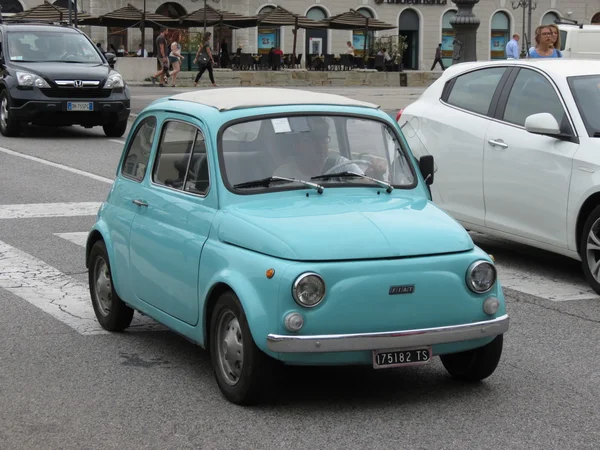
(78, 83)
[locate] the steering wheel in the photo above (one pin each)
(336, 168)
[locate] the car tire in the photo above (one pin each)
(242, 371)
(474, 365)
(589, 256)
(112, 313)
(8, 126)
(115, 129)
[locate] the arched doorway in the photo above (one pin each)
(316, 39)
(596, 19)
(549, 18)
(358, 36)
(408, 25)
(499, 35)
(447, 37)
(12, 7)
(173, 10)
(268, 36)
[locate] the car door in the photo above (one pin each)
(527, 176)
(454, 132)
(175, 212)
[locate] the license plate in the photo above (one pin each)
(82, 106)
(383, 359)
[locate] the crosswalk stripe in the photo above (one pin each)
(43, 210)
(55, 293)
(79, 237)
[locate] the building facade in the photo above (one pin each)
(424, 23)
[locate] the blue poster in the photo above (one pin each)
(497, 43)
(266, 40)
(358, 41)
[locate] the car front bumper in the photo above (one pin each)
(387, 340)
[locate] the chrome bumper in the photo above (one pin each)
(388, 340)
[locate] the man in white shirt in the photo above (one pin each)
(310, 153)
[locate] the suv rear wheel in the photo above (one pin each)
(115, 129)
(8, 126)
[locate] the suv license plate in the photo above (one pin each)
(87, 106)
(384, 359)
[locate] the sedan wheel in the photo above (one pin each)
(8, 127)
(589, 249)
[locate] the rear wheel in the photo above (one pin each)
(8, 126)
(589, 249)
(242, 370)
(474, 365)
(115, 129)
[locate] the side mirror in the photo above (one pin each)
(542, 123)
(427, 168)
(111, 58)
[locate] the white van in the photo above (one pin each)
(579, 41)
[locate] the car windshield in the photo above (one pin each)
(46, 46)
(358, 151)
(586, 92)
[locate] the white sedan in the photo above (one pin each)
(517, 148)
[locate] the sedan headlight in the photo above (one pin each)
(30, 80)
(114, 81)
(308, 289)
(481, 276)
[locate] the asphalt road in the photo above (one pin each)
(149, 388)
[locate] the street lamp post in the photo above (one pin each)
(529, 6)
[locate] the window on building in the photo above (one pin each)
(549, 18)
(499, 35)
(596, 18)
(358, 37)
(268, 36)
(447, 37)
(316, 39)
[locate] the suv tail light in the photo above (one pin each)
(399, 114)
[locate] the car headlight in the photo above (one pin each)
(30, 80)
(308, 289)
(114, 81)
(481, 276)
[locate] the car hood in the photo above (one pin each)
(66, 71)
(326, 229)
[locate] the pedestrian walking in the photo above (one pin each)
(438, 57)
(512, 48)
(162, 58)
(205, 61)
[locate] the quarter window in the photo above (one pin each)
(531, 94)
(138, 154)
(197, 179)
(174, 152)
(474, 90)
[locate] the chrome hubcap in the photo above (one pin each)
(103, 287)
(593, 250)
(4, 112)
(230, 348)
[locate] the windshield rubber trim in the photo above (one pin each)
(291, 186)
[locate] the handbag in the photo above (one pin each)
(202, 59)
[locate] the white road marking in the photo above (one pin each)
(117, 142)
(55, 293)
(58, 166)
(78, 238)
(42, 210)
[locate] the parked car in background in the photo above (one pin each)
(54, 75)
(517, 146)
(284, 225)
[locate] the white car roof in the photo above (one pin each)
(555, 67)
(225, 99)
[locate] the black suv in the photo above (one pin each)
(55, 75)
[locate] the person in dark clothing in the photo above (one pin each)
(162, 55)
(438, 57)
(205, 61)
(224, 60)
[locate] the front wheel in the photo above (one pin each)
(8, 126)
(589, 249)
(474, 365)
(242, 370)
(115, 129)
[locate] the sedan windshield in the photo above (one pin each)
(586, 92)
(47, 46)
(329, 150)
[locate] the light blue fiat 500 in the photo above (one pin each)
(285, 226)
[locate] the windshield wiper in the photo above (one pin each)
(266, 182)
(388, 187)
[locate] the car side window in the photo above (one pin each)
(532, 93)
(138, 153)
(174, 151)
(198, 179)
(473, 91)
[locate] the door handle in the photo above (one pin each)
(498, 143)
(139, 202)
